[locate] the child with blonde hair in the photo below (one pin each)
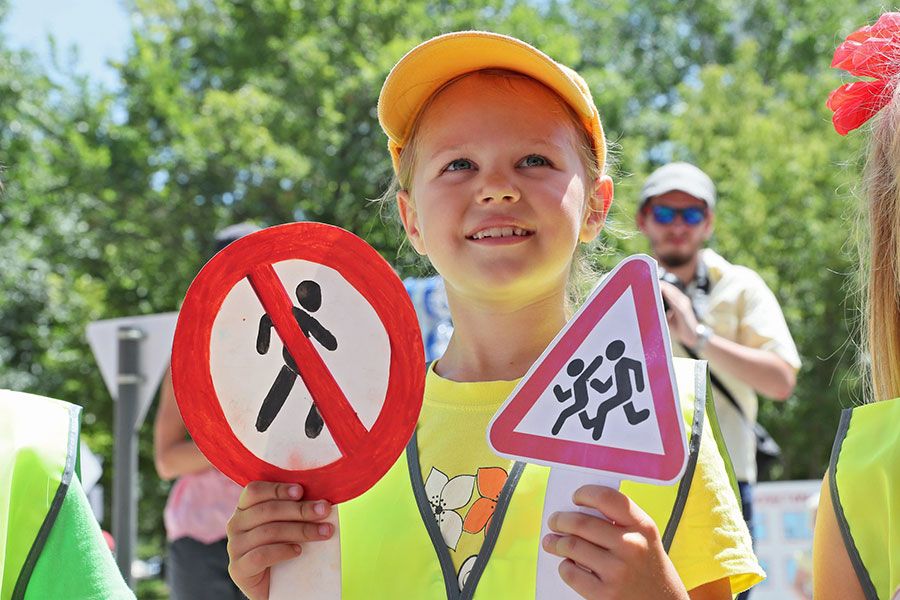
(500, 160)
(856, 550)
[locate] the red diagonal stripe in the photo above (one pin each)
(342, 421)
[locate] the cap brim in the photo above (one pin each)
(431, 64)
(695, 190)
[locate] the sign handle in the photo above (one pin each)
(125, 465)
(562, 484)
(315, 574)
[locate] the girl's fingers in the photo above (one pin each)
(615, 505)
(277, 510)
(581, 551)
(589, 527)
(249, 569)
(263, 491)
(278, 533)
(584, 582)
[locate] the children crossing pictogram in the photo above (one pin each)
(579, 390)
(624, 370)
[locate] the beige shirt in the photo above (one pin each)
(743, 309)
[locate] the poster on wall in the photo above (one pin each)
(783, 519)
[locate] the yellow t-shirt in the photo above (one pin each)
(462, 475)
(463, 478)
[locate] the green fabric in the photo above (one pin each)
(76, 564)
(35, 439)
(867, 479)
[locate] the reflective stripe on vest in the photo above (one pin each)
(864, 481)
(38, 452)
(390, 541)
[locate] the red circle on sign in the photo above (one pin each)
(366, 455)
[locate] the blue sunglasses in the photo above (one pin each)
(692, 215)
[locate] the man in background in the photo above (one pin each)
(718, 311)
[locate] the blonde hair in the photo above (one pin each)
(582, 274)
(879, 247)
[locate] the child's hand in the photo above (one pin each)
(267, 528)
(617, 559)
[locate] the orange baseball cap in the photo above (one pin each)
(428, 66)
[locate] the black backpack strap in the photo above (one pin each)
(684, 486)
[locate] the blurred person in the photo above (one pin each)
(51, 546)
(856, 546)
(202, 499)
(429, 298)
(717, 311)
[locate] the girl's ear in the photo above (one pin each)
(410, 219)
(598, 204)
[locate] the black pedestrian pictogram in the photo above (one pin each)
(576, 369)
(309, 296)
(622, 372)
(623, 369)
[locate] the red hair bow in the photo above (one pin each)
(871, 51)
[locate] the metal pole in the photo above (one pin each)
(125, 466)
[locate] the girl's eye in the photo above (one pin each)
(534, 160)
(459, 164)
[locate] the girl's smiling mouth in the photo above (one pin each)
(500, 233)
(498, 229)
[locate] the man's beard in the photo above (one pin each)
(675, 260)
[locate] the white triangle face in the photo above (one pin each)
(153, 356)
(602, 383)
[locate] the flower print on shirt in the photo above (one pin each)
(490, 484)
(445, 496)
(464, 571)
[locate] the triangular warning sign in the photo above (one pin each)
(153, 359)
(602, 396)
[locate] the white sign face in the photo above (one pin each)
(153, 356)
(258, 385)
(602, 395)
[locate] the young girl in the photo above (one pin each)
(500, 157)
(856, 552)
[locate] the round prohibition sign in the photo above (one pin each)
(365, 454)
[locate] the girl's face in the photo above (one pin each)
(498, 198)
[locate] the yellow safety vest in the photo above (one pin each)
(864, 480)
(390, 541)
(36, 467)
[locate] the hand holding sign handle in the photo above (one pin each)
(564, 483)
(617, 553)
(355, 345)
(273, 523)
